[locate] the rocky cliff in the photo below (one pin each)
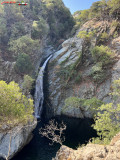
(13, 140)
(75, 53)
(92, 151)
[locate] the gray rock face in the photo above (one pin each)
(14, 140)
(86, 88)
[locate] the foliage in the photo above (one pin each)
(82, 16)
(86, 35)
(14, 106)
(97, 72)
(107, 120)
(17, 30)
(73, 102)
(23, 64)
(40, 29)
(102, 54)
(3, 30)
(23, 44)
(93, 104)
(104, 37)
(27, 84)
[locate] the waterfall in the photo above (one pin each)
(39, 95)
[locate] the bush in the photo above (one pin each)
(107, 120)
(40, 29)
(27, 84)
(73, 102)
(23, 44)
(97, 73)
(14, 106)
(102, 54)
(86, 35)
(23, 64)
(103, 37)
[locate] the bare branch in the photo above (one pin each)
(54, 132)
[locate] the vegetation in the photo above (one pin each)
(102, 54)
(27, 84)
(86, 35)
(90, 104)
(98, 73)
(23, 64)
(23, 44)
(14, 106)
(107, 119)
(40, 29)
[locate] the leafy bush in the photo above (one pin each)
(107, 120)
(93, 104)
(14, 106)
(27, 84)
(97, 72)
(103, 37)
(40, 29)
(23, 44)
(107, 123)
(23, 64)
(73, 102)
(86, 35)
(102, 54)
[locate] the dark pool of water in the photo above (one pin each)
(78, 132)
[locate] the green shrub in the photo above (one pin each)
(40, 29)
(86, 35)
(107, 120)
(23, 44)
(27, 84)
(103, 37)
(23, 64)
(73, 102)
(102, 54)
(93, 104)
(97, 73)
(14, 106)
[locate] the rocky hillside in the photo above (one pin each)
(31, 31)
(92, 151)
(75, 72)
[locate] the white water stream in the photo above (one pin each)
(39, 95)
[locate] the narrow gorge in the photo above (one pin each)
(64, 67)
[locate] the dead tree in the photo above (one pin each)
(53, 132)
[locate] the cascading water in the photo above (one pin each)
(39, 95)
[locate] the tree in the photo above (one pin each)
(14, 106)
(107, 120)
(24, 44)
(40, 29)
(102, 54)
(27, 84)
(23, 64)
(53, 132)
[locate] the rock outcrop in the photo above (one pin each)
(75, 51)
(92, 151)
(13, 140)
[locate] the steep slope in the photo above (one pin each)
(73, 71)
(30, 30)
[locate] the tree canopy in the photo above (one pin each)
(14, 106)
